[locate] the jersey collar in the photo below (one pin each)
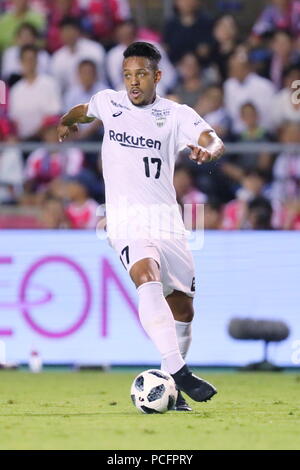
(142, 108)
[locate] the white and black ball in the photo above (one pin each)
(154, 391)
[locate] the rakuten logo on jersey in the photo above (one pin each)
(127, 140)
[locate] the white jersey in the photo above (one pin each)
(139, 151)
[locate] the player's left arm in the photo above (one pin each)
(210, 148)
(69, 121)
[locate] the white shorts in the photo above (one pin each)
(173, 257)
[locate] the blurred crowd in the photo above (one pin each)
(56, 54)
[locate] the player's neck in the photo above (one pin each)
(152, 100)
(148, 103)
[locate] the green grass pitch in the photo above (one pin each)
(92, 410)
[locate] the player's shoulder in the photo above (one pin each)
(110, 94)
(174, 105)
(111, 99)
(175, 108)
(166, 102)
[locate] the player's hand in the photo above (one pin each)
(200, 154)
(64, 131)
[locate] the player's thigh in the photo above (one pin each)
(140, 258)
(181, 305)
(145, 270)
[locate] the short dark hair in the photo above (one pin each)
(284, 31)
(89, 62)
(143, 49)
(214, 203)
(30, 27)
(291, 68)
(129, 22)
(262, 208)
(256, 172)
(70, 21)
(248, 104)
(29, 48)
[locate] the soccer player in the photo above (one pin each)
(143, 134)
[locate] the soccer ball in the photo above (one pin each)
(154, 391)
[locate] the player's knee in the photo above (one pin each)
(147, 276)
(182, 306)
(184, 311)
(186, 315)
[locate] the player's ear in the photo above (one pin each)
(157, 76)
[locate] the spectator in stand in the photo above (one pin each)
(32, 98)
(44, 165)
(213, 214)
(11, 21)
(283, 55)
(280, 14)
(11, 166)
(226, 39)
(104, 15)
(253, 133)
(259, 214)
(286, 103)
(285, 190)
(88, 86)
(64, 63)
(125, 34)
(81, 210)
(211, 107)
(58, 10)
(187, 193)
(26, 35)
(192, 80)
(245, 86)
(291, 215)
(209, 178)
(190, 30)
(286, 170)
(53, 214)
(253, 184)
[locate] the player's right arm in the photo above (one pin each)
(68, 122)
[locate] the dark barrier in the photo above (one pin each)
(264, 330)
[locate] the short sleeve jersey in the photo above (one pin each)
(139, 150)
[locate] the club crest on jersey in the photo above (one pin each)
(160, 116)
(160, 121)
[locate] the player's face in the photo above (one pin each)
(140, 80)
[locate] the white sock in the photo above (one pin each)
(158, 322)
(184, 338)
